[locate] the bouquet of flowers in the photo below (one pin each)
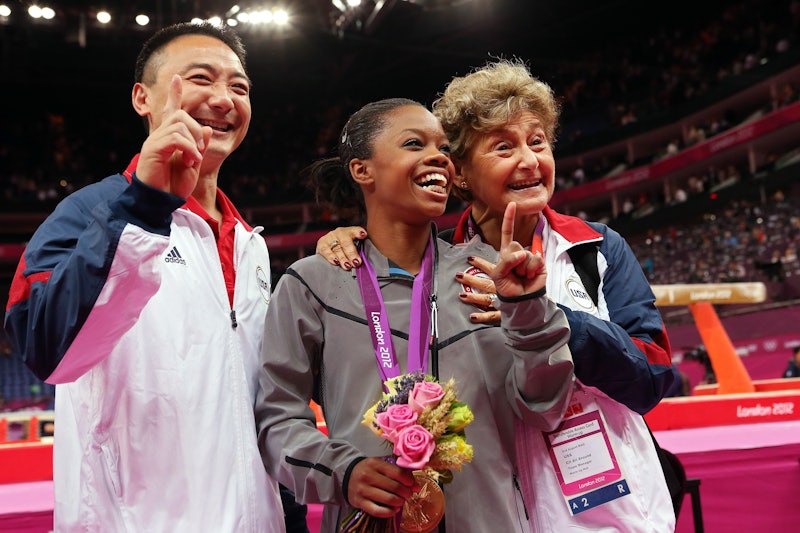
(424, 422)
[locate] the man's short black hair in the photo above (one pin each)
(166, 35)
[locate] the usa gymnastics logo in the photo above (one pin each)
(578, 294)
(263, 284)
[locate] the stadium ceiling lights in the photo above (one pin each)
(344, 5)
(43, 12)
(104, 17)
(35, 11)
(235, 16)
(256, 16)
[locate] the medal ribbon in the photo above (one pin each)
(378, 321)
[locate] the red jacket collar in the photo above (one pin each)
(225, 204)
(571, 228)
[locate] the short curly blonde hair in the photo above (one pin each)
(487, 98)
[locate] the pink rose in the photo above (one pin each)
(425, 394)
(414, 447)
(396, 418)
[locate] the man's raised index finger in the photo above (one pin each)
(174, 95)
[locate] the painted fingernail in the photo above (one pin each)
(362, 234)
(462, 296)
(336, 262)
(471, 258)
(356, 262)
(459, 275)
(348, 265)
(473, 317)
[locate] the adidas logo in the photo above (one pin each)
(174, 256)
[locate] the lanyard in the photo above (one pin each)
(536, 246)
(378, 321)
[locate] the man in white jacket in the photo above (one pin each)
(143, 297)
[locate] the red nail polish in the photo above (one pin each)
(336, 262)
(356, 262)
(347, 265)
(471, 258)
(459, 275)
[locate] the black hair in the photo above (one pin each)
(166, 35)
(330, 178)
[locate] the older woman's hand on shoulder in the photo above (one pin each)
(338, 246)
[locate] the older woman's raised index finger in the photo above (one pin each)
(507, 229)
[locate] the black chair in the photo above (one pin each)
(679, 485)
